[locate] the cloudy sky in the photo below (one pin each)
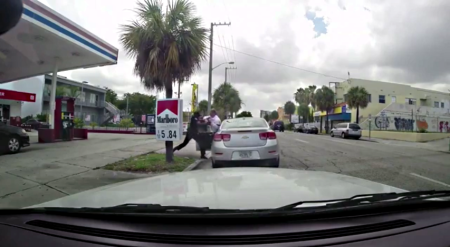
(285, 44)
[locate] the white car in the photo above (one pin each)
(245, 142)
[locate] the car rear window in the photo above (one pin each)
(354, 126)
(244, 123)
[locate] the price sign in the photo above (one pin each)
(169, 119)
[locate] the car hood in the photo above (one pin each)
(227, 188)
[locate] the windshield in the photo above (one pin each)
(223, 104)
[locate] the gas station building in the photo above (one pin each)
(45, 42)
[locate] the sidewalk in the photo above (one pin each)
(439, 145)
(46, 172)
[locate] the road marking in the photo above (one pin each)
(430, 179)
(301, 141)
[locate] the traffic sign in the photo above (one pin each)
(169, 119)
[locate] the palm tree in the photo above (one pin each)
(167, 43)
(227, 98)
(203, 107)
(324, 98)
(357, 97)
(303, 111)
(289, 108)
(311, 95)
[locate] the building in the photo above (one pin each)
(91, 100)
(262, 113)
(391, 103)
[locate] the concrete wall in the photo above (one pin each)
(393, 93)
(406, 136)
(401, 117)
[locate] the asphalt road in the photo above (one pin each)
(404, 167)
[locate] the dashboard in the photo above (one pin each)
(417, 228)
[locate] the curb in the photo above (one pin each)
(193, 166)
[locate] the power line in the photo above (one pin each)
(282, 64)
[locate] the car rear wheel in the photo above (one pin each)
(343, 135)
(332, 134)
(13, 145)
(275, 163)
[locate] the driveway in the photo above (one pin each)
(44, 172)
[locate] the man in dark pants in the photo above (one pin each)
(192, 131)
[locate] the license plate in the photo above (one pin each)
(245, 154)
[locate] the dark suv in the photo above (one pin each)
(278, 125)
(12, 138)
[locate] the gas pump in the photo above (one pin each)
(151, 129)
(66, 125)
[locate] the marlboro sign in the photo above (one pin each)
(169, 119)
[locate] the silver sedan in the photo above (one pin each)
(245, 142)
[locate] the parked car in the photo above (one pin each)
(311, 129)
(245, 142)
(298, 127)
(12, 138)
(345, 130)
(278, 126)
(35, 124)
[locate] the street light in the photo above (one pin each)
(210, 83)
(82, 97)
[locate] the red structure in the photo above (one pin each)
(52, 135)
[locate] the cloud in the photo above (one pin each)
(372, 39)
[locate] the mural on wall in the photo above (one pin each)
(443, 127)
(381, 122)
(400, 117)
(403, 124)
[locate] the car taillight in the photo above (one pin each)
(222, 137)
(267, 135)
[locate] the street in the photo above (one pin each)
(404, 167)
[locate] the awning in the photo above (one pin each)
(16, 95)
(43, 37)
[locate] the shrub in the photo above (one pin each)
(126, 123)
(93, 125)
(79, 124)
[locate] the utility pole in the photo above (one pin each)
(127, 108)
(226, 72)
(211, 44)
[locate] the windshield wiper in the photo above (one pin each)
(367, 199)
(124, 208)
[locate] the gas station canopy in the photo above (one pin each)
(45, 41)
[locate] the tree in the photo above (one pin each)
(274, 115)
(203, 107)
(303, 112)
(244, 114)
(289, 108)
(312, 98)
(227, 98)
(138, 103)
(111, 96)
(324, 99)
(357, 97)
(168, 45)
(266, 117)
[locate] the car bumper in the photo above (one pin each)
(219, 152)
(25, 141)
(247, 163)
